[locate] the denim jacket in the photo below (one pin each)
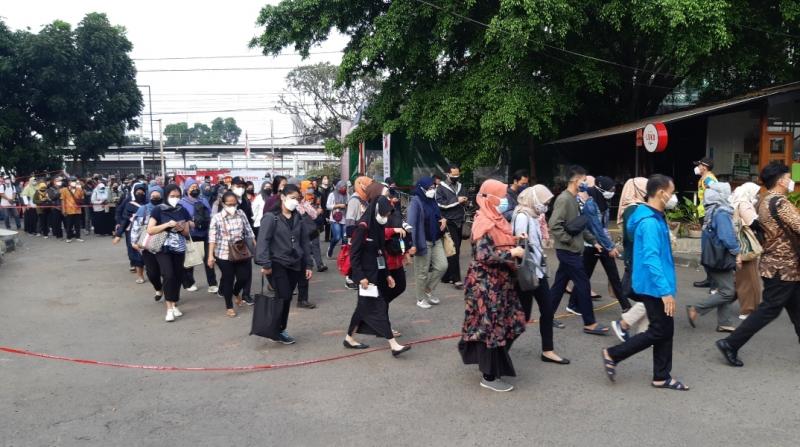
(596, 226)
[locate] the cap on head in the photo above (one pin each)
(705, 161)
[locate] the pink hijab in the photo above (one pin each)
(488, 220)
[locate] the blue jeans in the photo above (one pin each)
(570, 267)
(337, 235)
(134, 256)
(7, 213)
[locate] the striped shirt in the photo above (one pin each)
(225, 229)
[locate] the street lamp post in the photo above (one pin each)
(161, 151)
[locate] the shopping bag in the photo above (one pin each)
(195, 253)
(449, 245)
(267, 313)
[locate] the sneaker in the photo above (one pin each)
(350, 284)
(170, 316)
(69, 241)
(743, 317)
(157, 297)
(213, 289)
(330, 252)
(46, 237)
(192, 289)
(177, 312)
(80, 240)
(572, 311)
(423, 304)
(432, 299)
(248, 300)
(622, 334)
(496, 385)
(324, 268)
(285, 338)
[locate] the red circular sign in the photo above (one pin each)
(654, 137)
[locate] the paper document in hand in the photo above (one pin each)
(371, 291)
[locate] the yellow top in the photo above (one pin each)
(702, 184)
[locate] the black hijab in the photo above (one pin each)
(379, 205)
(602, 183)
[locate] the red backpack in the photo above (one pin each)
(343, 261)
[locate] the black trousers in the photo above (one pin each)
(43, 221)
(171, 265)
(658, 335)
(453, 273)
(72, 222)
(284, 280)
(542, 296)
(152, 270)
(30, 218)
(777, 295)
(590, 258)
(211, 275)
(54, 222)
(234, 276)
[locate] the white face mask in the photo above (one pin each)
(697, 170)
(381, 219)
(672, 202)
(238, 191)
(291, 204)
(790, 186)
(431, 193)
(230, 210)
(608, 194)
(173, 201)
(541, 209)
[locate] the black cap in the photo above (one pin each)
(705, 161)
(238, 181)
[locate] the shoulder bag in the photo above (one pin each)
(714, 255)
(195, 253)
(238, 250)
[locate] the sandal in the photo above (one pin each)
(238, 301)
(598, 330)
(689, 315)
(558, 324)
(596, 296)
(610, 367)
(230, 313)
(672, 384)
(397, 333)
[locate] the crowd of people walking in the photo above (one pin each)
(750, 242)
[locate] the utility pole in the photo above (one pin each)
(272, 145)
(152, 137)
(161, 150)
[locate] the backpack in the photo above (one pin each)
(202, 216)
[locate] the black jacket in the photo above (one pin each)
(364, 254)
(284, 241)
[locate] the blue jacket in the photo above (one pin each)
(596, 226)
(722, 232)
(653, 266)
(187, 202)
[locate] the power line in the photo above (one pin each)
(777, 33)
(574, 53)
(157, 70)
(181, 58)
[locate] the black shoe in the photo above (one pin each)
(729, 353)
(358, 346)
(563, 361)
(306, 305)
(324, 268)
(248, 300)
(350, 285)
(558, 325)
(703, 283)
(404, 349)
(157, 297)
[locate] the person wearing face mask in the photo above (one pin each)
(30, 217)
(124, 227)
(428, 226)
(451, 201)
(273, 202)
(702, 168)
(102, 218)
(227, 228)
(519, 181)
(529, 221)
(337, 206)
(399, 247)
(369, 268)
(239, 189)
(71, 199)
(139, 222)
(718, 230)
(748, 280)
(200, 211)
(173, 219)
(259, 204)
(8, 202)
(569, 250)
(250, 191)
(324, 190)
(654, 283)
(494, 317)
(44, 207)
(283, 251)
(56, 218)
(356, 206)
(314, 218)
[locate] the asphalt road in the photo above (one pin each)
(79, 300)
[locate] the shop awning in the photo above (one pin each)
(682, 114)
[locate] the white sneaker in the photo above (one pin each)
(213, 289)
(192, 289)
(743, 317)
(69, 241)
(177, 312)
(80, 240)
(422, 304)
(432, 299)
(170, 316)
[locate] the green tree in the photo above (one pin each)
(225, 131)
(481, 76)
(178, 134)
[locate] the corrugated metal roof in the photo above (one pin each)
(682, 114)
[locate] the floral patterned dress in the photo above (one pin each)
(493, 318)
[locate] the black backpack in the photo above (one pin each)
(202, 216)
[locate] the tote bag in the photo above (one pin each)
(267, 313)
(449, 245)
(195, 253)
(526, 271)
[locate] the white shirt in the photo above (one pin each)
(7, 195)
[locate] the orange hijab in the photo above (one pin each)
(488, 220)
(360, 187)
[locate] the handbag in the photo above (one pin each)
(751, 249)
(195, 252)
(449, 245)
(154, 242)
(238, 251)
(267, 312)
(526, 270)
(715, 256)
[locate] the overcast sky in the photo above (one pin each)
(183, 28)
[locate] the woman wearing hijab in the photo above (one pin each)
(356, 206)
(635, 319)
(259, 203)
(200, 211)
(43, 207)
(718, 225)
(494, 317)
(124, 227)
(430, 263)
(102, 218)
(173, 219)
(398, 246)
(748, 279)
(314, 218)
(528, 219)
(336, 205)
(369, 271)
(139, 225)
(30, 216)
(250, 191)
(272, 204)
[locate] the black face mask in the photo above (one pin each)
(140, 198)
(194, 193)
(157, 201)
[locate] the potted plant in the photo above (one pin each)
(674, 219)
(692, 219)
